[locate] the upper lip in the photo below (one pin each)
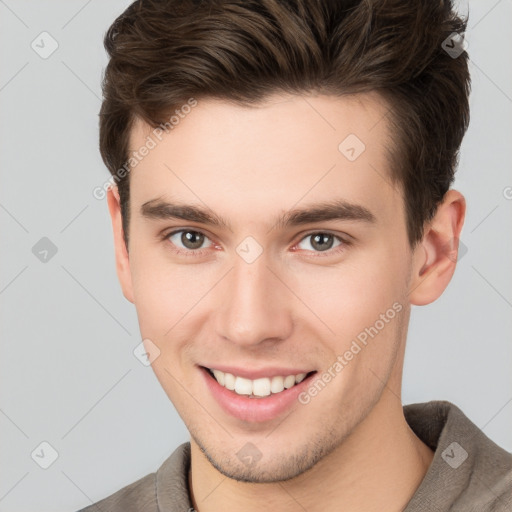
(270, 371)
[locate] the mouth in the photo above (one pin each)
(257, 388)
(267, 396)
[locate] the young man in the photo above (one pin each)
(281, 197)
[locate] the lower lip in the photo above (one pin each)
(254, 409)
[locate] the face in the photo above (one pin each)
(304, 271)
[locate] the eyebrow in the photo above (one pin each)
(336, 209)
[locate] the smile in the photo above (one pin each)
(258, 387)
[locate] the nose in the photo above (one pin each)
(255, 305)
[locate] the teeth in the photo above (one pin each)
(229, 380)
(243, 386)
(219, 376)
(277, 384)
(289, 381)
(300, 377)
(261, 387)
(257, 387)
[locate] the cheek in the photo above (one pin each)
(351, 296)
(166, 301)
(162, 290)
(170, 301)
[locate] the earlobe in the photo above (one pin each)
(121, 253)
(435, 257)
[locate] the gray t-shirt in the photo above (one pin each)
(469, 472)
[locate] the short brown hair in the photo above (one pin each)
(164, 52)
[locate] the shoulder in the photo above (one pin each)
(139, 495)
(469, 471)
(165, 489)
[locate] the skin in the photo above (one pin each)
(295, 305)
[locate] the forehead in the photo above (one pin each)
(287, 150)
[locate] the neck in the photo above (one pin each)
(378, 467)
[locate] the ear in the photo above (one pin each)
(435, 256)
(122, 259)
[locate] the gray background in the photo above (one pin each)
(68, 374)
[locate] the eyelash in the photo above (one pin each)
(200, 252)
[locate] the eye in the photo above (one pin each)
(187, 240)
(321, 242)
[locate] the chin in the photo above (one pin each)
(268, 465)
